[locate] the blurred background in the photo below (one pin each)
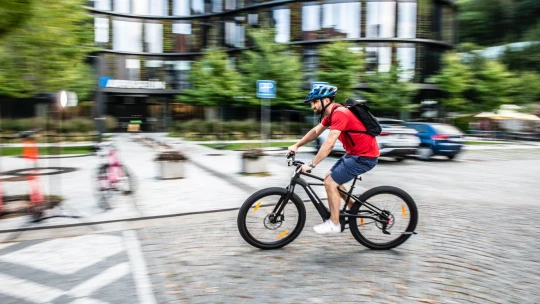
(189, 67)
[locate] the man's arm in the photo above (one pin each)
(326, 147)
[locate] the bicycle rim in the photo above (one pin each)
(398, 207)
(261, 226)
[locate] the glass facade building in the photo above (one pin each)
(148, 46)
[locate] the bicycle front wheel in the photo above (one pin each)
(266, 221)
(389, 203)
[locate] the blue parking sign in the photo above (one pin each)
(266, 89)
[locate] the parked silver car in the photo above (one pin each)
(396, 140)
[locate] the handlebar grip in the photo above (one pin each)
(291, 154)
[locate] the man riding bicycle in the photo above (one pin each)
(361, 149)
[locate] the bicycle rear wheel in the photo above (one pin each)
(378, 202)
(261, 226)
(127, 182)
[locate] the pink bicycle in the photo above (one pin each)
(111, 176)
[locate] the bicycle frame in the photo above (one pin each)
(321, 208)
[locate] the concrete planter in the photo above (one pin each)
(254, 165)
(171, 169)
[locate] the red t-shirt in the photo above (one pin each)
(343, 119)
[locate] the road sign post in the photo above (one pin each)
(266, 89)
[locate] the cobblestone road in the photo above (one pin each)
(468, 250)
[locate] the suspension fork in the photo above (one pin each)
(283, 200)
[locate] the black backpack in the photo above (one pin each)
(361, 111)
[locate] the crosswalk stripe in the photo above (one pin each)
(99, 281)
(27, 290)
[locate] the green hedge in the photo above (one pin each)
(245, 128)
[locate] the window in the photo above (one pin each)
(310, 65)
(177, 74)
(127, 36)
(140, 7)
(341, 20)
(182, 35)
(102, 5)
(234, 34)
(407, 20)
(447, 31)
(378, 59)
(217, 6)
(406, 58)
(230, 4)
(158, 8)
(122, 6)
(282, 19)
(197, 6)
(133, 68)
(310, 21)
(154, 70)
(253, 19)
(101, 30)
(154, 37)
(181, 8)
(380, 19)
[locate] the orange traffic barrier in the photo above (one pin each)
(30, 150)
(36, 197)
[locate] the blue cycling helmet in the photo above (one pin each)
(321, 92)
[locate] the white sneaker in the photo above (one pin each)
(327, 228)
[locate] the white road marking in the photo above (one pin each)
(99, 281)
(27, 290)
(138, 268)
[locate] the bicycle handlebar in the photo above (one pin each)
(294, 162)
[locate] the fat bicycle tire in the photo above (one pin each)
(264, 202)
(400, 236)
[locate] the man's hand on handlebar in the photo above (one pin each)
(292, 150)
(305, 168)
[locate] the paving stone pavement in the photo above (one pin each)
(462, 254)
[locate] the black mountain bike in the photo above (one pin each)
(381, 218)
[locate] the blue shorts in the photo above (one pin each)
(350, 166)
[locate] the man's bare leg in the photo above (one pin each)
(333, 198)
(344, 197)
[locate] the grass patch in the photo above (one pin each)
(17, 151)
(245, 146)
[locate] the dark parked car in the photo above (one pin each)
(437, 139)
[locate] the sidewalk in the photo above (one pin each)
(213, 182)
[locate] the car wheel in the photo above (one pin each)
(399, 159)
(451, 157)
(424, 153)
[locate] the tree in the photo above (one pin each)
(213, 81)
(526, 89)
(269, 60)
(13, 14)
(492, 87)
(47, 53)
(455, 79)
(340, 66)
(389, 93)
